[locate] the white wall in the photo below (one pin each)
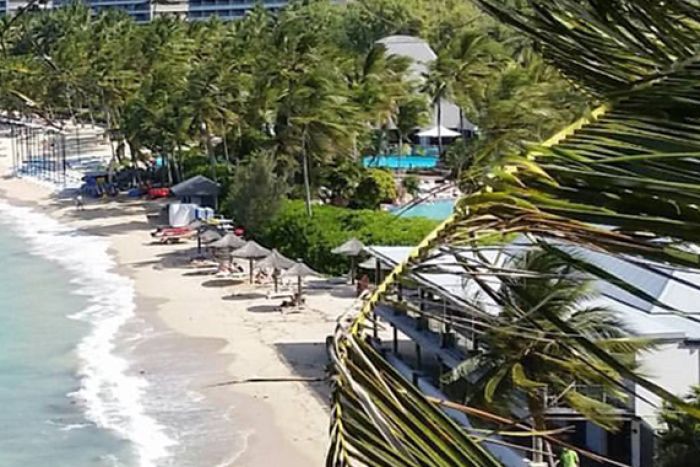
(671, 367)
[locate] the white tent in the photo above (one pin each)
(438, 132)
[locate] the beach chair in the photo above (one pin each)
(282, 292)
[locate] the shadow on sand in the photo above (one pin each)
(264, 309)
(220, 282)
(308, 360)
(244, 296)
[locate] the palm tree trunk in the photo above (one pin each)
(206, 139)
(536, 406)
(439, 122)
(305, 171)
(305, 168)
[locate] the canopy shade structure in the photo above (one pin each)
(371, 264)
(438, 132)
(229, 240)
(198, 186)
(196, 224)
(300, 270)
(352, 248)
(252, 251)
(277, 262)
(209, 236)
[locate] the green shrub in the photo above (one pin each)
(256, 192)
(296, 235)
(411, 184)
(376, 187)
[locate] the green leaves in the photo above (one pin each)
(379, 418)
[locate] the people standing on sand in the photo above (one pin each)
(362, 284)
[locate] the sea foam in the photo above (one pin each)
(112, 398)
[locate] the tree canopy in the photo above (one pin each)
(308, 83)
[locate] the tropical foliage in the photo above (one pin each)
(679, 441)
(308, 84)
(297, 236)
(619, 184)
(530, 359)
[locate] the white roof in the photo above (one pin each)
(438, 131)
(422, 55)
(412, 47)
(642, 318)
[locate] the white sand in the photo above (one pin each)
(287, 421)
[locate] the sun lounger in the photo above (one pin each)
(236, 276)
(281, 293)
(173, 234)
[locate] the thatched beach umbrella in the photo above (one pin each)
(252, 251)
(227, 243)
(277, 262)
(209, 236)
(352, 248)
(300, 270)
(230, 241)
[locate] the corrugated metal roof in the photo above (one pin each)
(642, 318)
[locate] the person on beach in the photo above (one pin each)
(79, 205)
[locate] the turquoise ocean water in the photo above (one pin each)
(42, 422)
(70, 396)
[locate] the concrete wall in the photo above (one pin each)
(675, 369)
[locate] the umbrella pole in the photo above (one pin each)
(275, 273)
(352, 270)
(199, 243)
(250, 264)
(299, 290)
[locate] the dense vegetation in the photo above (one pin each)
(679, 441)
(296, 235)
(307, 86)
(602, 198)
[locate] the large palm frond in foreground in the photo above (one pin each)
(623, 182)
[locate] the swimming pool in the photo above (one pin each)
(439, 209)
(400, 162)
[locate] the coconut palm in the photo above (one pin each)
(679, 441)
(611, 182)
(527, 358)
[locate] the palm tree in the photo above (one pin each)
(679, 441)
(526, 357)
(315, 119)
(622, 166)
(462, 67)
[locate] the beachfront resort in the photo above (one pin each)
(369, 233)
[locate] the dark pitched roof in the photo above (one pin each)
(198, 185)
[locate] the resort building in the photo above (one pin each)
(447, 119)
(145, 10)
(435, 313)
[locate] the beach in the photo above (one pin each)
(195, 341)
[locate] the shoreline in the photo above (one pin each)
(220, 339)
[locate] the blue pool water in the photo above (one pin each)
(439, 209)
(400, 162)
